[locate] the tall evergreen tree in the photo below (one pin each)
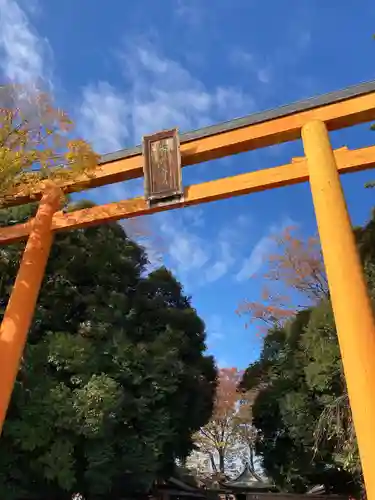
(115, 377)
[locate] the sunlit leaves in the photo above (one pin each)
(69, 353)
(295, 278)
(229, 432)
(97, 402)
(37, 143)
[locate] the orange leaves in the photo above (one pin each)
(298, 264)
(227, 394)
(268, 314)
(230, 428)
(295, 278)
(36, 142)
(227, 402)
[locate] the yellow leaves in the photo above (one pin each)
(36, 143)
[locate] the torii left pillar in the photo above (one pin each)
(20, 309)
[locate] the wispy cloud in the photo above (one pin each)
(157, 93)
(252, 63)
(232, 241)
(252, 264)
(195, 216)
(187, 251)
(262, 249)
(102, 117)
(25, 58)
(271, 67)
(225, 260)
(199, 259)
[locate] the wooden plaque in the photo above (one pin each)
(162, 166)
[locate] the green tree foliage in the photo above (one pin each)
(302, 413)
(115, 378)
(299, 373)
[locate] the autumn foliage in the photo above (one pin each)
(229, 433)
(295, 278)
(37, 143)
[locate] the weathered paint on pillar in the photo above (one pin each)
(350, 299)
(20, 309)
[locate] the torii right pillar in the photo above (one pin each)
(351, 303)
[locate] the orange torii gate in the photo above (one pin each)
(321, 166)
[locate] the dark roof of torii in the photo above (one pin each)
(237, 123)
(249, 479)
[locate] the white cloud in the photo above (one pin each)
(158, 93)
(225, 260)
(252, 264)
(23, 54)
(264, 75)
(194, 216)
(187, 251)
(230, 243)
(199, 259)
(103, 117)
(275, 63)
(164, 94)
(248, 61)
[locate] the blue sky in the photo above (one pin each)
(123, 69)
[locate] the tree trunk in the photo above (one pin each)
(251, 456)
(213, 465)
(221, 461)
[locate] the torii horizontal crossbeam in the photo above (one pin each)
(228, 187)
(337, 109)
